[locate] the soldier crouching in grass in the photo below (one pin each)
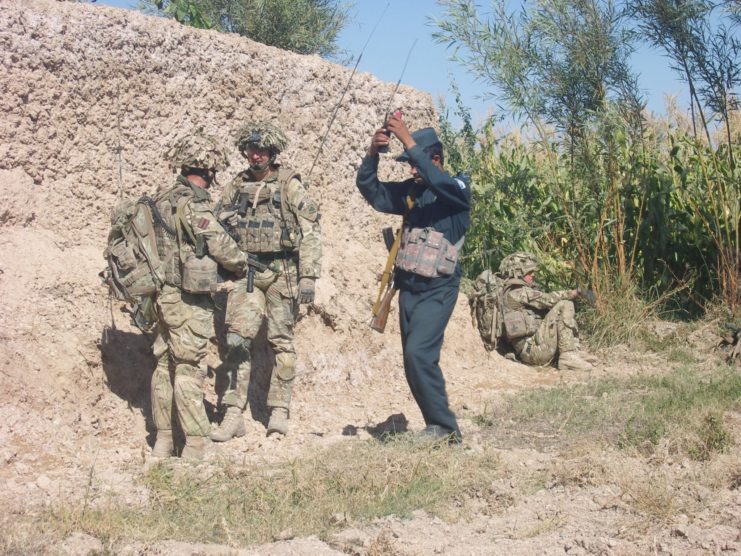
(436, 209)
(539, 326)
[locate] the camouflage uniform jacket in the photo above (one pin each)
(533, 304)
(195, 203)
(287, 200)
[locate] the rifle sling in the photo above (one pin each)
(386, 277)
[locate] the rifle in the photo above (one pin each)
(387, 289)
(378, 322)
(253, 265)
(587, 295)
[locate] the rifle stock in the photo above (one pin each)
(378, 321)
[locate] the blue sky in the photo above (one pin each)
(430, 69)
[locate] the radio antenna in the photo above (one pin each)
(344, 91)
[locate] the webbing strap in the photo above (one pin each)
(386, 276)
(181, 224)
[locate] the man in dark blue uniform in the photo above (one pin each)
(435, 204)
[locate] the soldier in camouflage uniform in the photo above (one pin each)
(190, 242)
(539, 325)
(268, 209)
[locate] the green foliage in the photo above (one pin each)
(303, 26)
(681, 406)
(188, 12)
(713, 437)
(702, 49)
(637, 211)
(556, 63)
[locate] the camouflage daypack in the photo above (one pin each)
(486, 308)
(134, 272)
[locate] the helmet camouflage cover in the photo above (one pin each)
(197, 150)
(518, 265)
(263, 135)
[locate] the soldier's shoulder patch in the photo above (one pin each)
(203, 223)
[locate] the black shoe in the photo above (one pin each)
(436, 433)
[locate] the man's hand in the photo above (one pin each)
(380, 139)
(397, 126)
(587, 295)
(306, 290)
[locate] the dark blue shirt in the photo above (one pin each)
(442, 203)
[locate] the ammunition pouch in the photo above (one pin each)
(426, 252)
(200, 275)
(518, 324)
(264, 234)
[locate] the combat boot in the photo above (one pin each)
(231, 426)
(195, 448)
(164, 445)
(278, 421)
(572, 361)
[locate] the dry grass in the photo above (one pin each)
(247, 505)
(663, 446)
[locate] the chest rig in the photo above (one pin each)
(264, 223)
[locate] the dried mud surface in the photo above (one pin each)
(78, 82)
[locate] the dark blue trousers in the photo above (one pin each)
(423, 317)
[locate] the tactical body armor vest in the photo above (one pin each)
(264, 224)
(426, 252)
(520, 322)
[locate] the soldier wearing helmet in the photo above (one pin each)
(270, 212)
(539, 326)
(190, 242)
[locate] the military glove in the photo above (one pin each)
(306, 290)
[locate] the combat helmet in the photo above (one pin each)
(197, 150)
(518, 265)
(261, 135)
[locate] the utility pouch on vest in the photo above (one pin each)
(426, 252)
(199, 274)
(199, 271)
(515, 325)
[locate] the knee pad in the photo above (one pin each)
(285, 366)
(238, 347)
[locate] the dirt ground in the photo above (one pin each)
(74, 411)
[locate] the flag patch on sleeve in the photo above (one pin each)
(203, 223)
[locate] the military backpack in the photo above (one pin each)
(486, 308)
(135, 271)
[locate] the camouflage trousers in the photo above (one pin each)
(184, 327)
(273, 298)
(556, 334)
